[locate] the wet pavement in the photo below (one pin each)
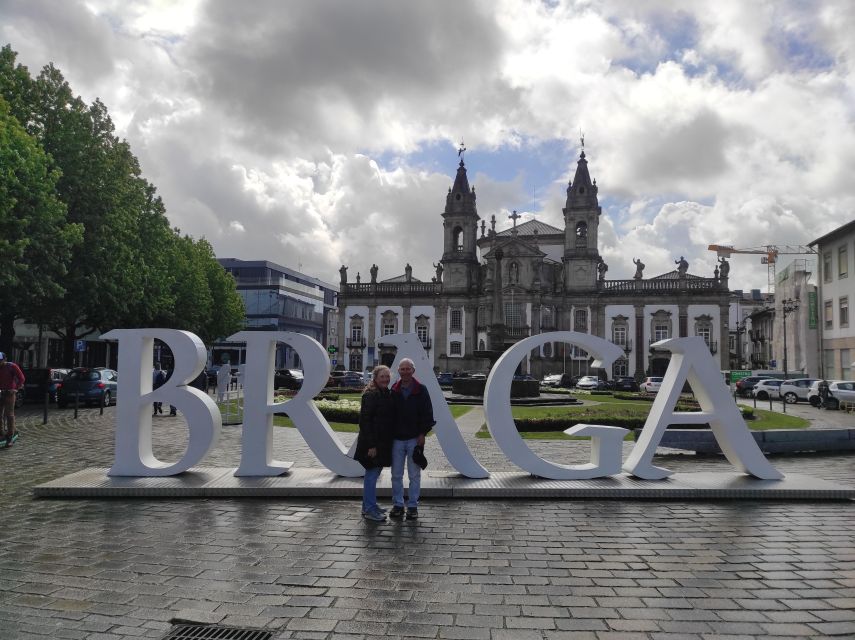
(466, 569)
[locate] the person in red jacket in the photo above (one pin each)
(11, 379)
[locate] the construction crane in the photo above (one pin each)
(769, 253)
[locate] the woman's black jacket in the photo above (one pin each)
(376, 428)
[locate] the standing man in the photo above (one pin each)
(413, 421)
(11, 379)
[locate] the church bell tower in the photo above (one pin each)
(581, 223)
(459, 223)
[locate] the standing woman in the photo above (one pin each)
(374, 444)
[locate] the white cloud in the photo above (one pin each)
(732, 125)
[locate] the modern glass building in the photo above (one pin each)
(279, 299)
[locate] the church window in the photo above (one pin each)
(619, 335)
(422, 333)
(388, 328)
(458, 238)
(580, 320)
(547, 350)
(482, 316)
(513, 314)
(661, 331)
(356, 332)
(619, 368)
(456, 320)
(547, 320)
(581, 230)
(455, 348)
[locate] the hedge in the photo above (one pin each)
(627, 422)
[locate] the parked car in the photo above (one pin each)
(568, 381)
(287, 379)
(626, 383)
(744, 386)
(797, 389)
(351, 379)
(590, 383)
(765, 389)
(552, 380)
(524, 376)
(89, 387)
(651, 384)
(39, 381)
(839, 391)
(445, 378)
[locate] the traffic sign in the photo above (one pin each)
(334, 361)
(332, 348)
(79, 345)
(738, 374)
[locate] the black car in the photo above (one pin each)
(287, 379)
(626, 383)
(89, 387)
(568, 381)
(445, 378)
(745, 386)
(40, 381)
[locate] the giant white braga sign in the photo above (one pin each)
(691, 360)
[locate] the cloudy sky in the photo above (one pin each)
(315, 133)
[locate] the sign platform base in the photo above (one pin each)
(219, 482)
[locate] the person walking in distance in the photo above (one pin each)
(413, 421)
(374, 443)
(11, 379)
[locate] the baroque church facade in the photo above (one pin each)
(493, 288)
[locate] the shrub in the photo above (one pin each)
(748, 413)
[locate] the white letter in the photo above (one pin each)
(606, 441)
(447, 432)
(134, 456)
(256, 457)
(691, 359)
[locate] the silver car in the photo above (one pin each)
(839, 391)
(796, 389)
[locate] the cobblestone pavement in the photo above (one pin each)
(466, 569)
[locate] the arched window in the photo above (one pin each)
(456, 320)
(581, 230)
(458, 238)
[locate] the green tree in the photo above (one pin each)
(35, 238)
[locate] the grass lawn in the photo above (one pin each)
(543, 435)
(763, 419)
(342, 427)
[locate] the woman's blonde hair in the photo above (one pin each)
(372, 384)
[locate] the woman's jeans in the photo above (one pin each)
(369, 489)
(403, 450)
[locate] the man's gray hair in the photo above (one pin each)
(408, 360)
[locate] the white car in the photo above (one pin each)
(839, 391)
(651, 385)
(588, 382)
(796, 389)
(766, 389)
(552, 380)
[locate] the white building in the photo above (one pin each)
(836, 289)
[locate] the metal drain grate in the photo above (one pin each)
(215, 632)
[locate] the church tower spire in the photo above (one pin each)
(581, 226)
(460, 228)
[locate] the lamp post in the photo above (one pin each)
(788, 306)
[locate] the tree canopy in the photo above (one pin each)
(116, 262)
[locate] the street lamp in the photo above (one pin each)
(788, 306)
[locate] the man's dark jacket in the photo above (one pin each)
(376, 428)
(414, 412)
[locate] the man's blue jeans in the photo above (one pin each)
(369, 489)
(403, 450)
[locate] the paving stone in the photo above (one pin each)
(315, 569)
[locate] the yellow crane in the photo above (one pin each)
(769, 253)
